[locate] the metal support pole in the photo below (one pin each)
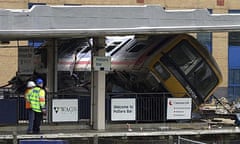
(98, 88)
(51, 76)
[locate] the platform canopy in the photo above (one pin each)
(85, 21)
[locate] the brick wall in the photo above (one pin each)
(8, 64)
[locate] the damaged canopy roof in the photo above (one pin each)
(85, 21)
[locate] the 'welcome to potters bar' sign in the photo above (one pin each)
(123, 109)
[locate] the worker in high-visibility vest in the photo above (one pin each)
(37, 101)
(30, 85)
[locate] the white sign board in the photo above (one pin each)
(102, 63)
(123, 109)
(179, 108)
(25, 60)
(64, 110)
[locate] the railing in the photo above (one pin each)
(149, 107)
(6, 93)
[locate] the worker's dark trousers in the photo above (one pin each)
(37, 122)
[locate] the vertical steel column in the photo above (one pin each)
(51, 75)
(98, 88)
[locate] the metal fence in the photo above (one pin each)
(150, 107)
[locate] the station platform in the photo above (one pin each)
(76, 130)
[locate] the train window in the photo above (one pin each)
(162, 71)
(184, 57)
(137, 47)
(110, 47)
(203, 79)
(152, 84)
(116, 50)
(197, 72)
(116, 42)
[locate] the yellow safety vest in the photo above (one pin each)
(37, 99)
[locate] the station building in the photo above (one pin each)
(224, 46)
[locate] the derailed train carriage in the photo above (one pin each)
(175, 63)
(168, 63)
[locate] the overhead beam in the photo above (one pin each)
(83, 21)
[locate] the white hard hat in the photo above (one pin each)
(31, 84)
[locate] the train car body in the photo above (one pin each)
(177, 63)
(174, 63)
(185, 67)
